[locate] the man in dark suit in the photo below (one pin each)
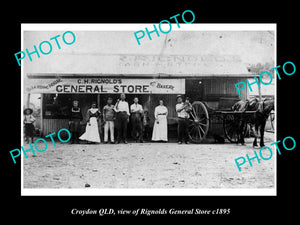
(122, 118)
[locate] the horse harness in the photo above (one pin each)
(262, 110)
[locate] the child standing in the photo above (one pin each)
(109, 121)
(188, 106)
(28, 122)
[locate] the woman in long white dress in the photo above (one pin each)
(92, 132)
(160, 128)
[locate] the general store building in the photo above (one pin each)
(203, 65)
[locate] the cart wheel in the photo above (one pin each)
(199, 122)
(231, 127)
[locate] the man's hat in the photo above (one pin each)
(31, 111)
(178, 96)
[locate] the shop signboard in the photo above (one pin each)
(105, 86)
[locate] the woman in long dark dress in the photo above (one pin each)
(74, 122)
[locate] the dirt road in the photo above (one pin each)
(146, 165)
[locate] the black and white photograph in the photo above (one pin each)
(131, 109)
(146, 111)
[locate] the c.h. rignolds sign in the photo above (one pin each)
(106, 85)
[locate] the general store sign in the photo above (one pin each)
(105, 85)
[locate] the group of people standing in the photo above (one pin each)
(118, 115)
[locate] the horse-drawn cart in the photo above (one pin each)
(200, 118)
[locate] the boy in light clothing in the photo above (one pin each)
(109, 118)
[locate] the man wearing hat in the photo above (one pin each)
(182, 114)
(28, 122)
(74, 122)
(122, 117)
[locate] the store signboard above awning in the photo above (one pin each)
(105, 85)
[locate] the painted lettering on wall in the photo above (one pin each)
(177, 61)
(105, 85)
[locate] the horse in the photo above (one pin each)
(137, 126)
(262, 112)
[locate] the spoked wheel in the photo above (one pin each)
(199, 122)
(231, 125)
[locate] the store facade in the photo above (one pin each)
(58, 90)
(202, 65)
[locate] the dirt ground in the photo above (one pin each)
(147, 165)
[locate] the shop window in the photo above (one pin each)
(194, 89)
(56, 106)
